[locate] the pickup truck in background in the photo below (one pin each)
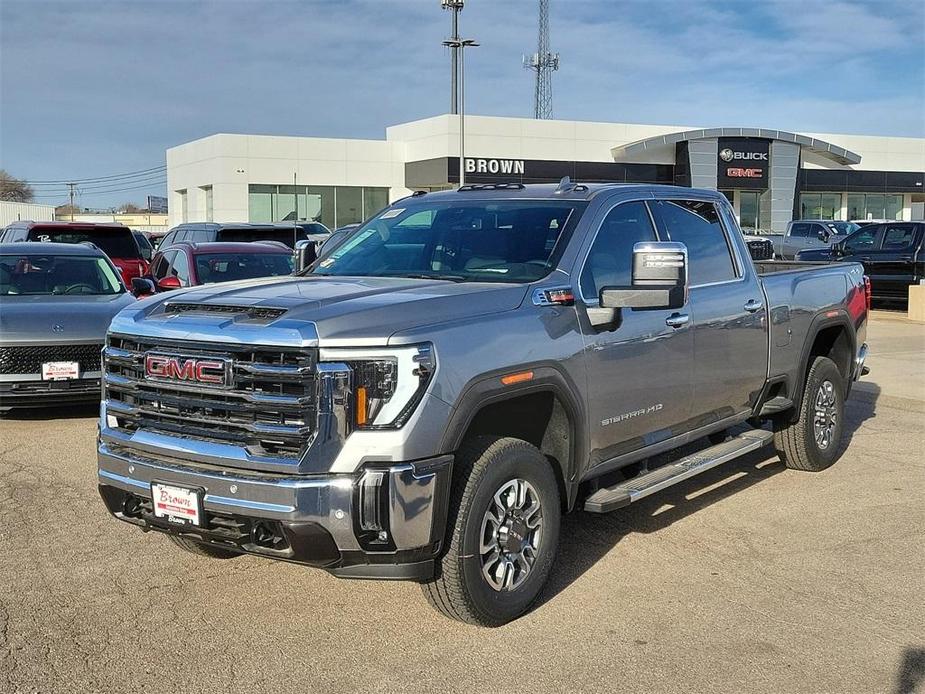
(891, 254)
(806, 234)
(426, 401)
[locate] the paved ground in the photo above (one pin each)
(749, 578)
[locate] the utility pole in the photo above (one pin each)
(71, 187)
(456, 7)
(543, 63)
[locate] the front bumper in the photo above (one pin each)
(381, 522)
(36, 393)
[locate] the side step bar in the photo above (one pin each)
(609, 499)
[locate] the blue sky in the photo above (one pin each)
(95, 88)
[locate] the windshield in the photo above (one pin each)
(56, 274)
(226, 267)
(481, 241)
(842, 228)
(247, 235)
(115, 242)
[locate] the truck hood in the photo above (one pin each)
(49, 319)
(341, 310)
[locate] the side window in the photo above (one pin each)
(159, 270)
(696, 224)
(168, 239)
(800, 230)
(179, 268)
(610, 260)
(898, 237)
(862, 240)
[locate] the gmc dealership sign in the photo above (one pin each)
(743, 163)
(495, 166)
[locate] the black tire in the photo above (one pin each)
(202, 549)
(484, 466)
(796, 442)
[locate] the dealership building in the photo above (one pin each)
(770, 176)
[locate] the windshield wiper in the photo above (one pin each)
(429, 276)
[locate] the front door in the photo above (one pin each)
(638, 366)
(730, 331)
(891, 264)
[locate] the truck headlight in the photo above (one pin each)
(388, 382)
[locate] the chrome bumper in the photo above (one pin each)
(407, 499)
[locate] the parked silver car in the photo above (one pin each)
(56, 303)
(806, 234)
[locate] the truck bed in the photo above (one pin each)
(768, 267)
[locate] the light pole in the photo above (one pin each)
(456, 7)
(462, 45)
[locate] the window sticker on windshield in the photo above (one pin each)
(392, 213)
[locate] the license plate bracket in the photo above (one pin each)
(60, 370)
(177, 504)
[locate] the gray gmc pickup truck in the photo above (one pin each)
(425, 402)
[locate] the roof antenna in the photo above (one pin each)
(564, 185)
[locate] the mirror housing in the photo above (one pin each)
(659, 278)
(168, 283)
(306, 252)
(822, 235)
(141, 286)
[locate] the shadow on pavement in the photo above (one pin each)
(74, 411)
(911, 672)
(585, 538)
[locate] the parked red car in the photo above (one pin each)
(115, 240)
(189, 264)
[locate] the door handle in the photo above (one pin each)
(677, 320)
(865, 258)
(753, 305)
(906, 259)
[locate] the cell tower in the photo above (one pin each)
(543, 63)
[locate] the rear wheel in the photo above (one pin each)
(202, 549)
(503, 531)
(812, 443)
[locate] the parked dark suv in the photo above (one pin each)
(207, 232)
(891, 254)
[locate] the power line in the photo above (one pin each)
(95, 192)
(99, 179)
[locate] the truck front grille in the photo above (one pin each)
(29, 360)
(760, 249)
(267, 408)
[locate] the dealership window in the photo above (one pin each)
(207, 193)
(820, 206)
(333, 206)
(875, 206)
(749, 209)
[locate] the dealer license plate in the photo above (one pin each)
(60, 370)
(176, 504)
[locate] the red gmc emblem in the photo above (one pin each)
(744, 173)
(163, 367)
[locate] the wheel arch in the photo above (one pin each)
(543, 411)
(829, 336)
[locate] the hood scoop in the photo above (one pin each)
(262, 314)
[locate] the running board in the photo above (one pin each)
(609, 499)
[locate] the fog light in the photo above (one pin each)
(370, 500)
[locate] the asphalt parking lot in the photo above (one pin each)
(749, 578)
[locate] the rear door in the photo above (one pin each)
(729, 367)
(892, 261)
(639, 375)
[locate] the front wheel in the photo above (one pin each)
(503, 532)
(812, 442)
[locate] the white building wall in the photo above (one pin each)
(17, 211)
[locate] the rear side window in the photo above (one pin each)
(610, 260)
(897, 238)
(801, 231)
(696, 224)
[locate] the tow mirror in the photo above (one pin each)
(142, 286)
(822, 235)
(306, 252)
(659, 278)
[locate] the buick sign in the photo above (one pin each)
(742, 162)
(495, 166)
